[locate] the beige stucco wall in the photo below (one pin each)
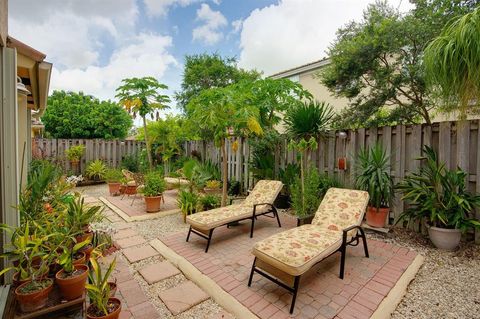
(320, 92)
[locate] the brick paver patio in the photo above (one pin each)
(138, 207)
(322, 293)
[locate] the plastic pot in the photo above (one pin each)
(443, 238)
(72, 287)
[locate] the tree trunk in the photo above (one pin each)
(147, 143)
(224, 173)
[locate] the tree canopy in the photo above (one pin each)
(377, 63)
(204, 71)
(76, 115)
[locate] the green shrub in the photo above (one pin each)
(287, 175)
(113, 175)
(96, 170)
(208, 202)
(306, 203)
(187, 202)
(74, 153)
(154, 184)
(208, 168)
(131, 163)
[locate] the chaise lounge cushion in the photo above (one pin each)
(296, 250)
(265, 191)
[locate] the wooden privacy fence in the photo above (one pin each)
(457, 144)
(110, 151)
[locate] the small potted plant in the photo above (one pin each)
(439, 197)
(33, 295)
(114, 179)
(102, 305)
(213, 187)
(74, 154)
(71, 279)
(79, 217)
(208, 201)
(153, 189)
(96, 170)
(373, 175)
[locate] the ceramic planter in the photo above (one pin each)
(444, 238)
(72, 287)
(114, 188)
(377, 218)
(112, 315)
(34, 300)
(152, 203)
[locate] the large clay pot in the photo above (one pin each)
(152, 203)
(35, 300)
(113, 315)
(443, 238)
(377, 218)
(72, 287)
(114, 188)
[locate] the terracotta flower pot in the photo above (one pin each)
(116, 305)
(34, 300)
(122, 189)
(212, 191)
(114, 188)
(152, 203)
(444, 238)
(131, 189)
(377, 218)
(17, 282)
(72, 287)
(88, 251)
(87, 234)
(80, 258)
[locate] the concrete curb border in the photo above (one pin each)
(129, 219)
(391, 301)
(228, 302)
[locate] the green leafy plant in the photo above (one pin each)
(79, 216)
(187, 202)
(113, 175)
(74, 153)
(208, 202)
(98, 288)
(438, 195)
(209, 168)
(305, 193)
(154, 184)
(96, 170)
(130, 162)
(310, 119)
(67, 256)
(372, 174)
(287, 175)
(213, 184)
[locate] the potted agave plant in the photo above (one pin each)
(114, 178)
(153, 189)
(439, 197)
(373, 176)
(71, 279)
(102, 305)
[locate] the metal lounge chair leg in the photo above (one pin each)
(209, 239)
(343, 250)
(189, 232)
(251, 272)
(295, 290)
(276, 215)
(253, 225)
(364, 238)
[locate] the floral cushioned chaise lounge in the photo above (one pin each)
(258, 202)
(285, 256)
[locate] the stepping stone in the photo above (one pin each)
(182, 297)
(134, 254)
(157, 272)
(130, 241)
(124, 233)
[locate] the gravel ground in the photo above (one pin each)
(446, 286)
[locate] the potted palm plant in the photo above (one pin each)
(153, 189)
(74, 154)
(102, 305)
(71, 279)
(114, 179)
(373, 176)
(439, 197)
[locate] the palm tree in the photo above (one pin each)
(452, 62)
(141, 95)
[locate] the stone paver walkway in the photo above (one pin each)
(322, 293)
